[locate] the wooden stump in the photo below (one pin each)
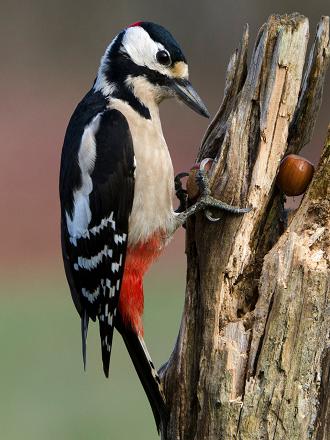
(252, 356)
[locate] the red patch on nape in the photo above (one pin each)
(137, 23)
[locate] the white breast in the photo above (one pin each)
(152, 210)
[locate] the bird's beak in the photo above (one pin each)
(187, 94)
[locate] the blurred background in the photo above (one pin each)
(50, 53)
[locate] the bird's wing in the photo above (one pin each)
(95, 215)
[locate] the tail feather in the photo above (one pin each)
(84, 331)
(147, 374)
(106, 335)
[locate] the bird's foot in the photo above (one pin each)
(206, 201)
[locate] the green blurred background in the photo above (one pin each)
(50, 52)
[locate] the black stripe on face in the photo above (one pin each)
(121, 68)
(127, 95)
(117, 73)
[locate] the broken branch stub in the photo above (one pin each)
(210, 380)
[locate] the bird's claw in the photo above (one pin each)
(210, 217)
(204, 203)
(211, 202)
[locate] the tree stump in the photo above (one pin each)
(252, 356)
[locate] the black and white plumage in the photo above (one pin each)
(96, 211)
(116, 188)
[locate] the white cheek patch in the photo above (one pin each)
(142, 49)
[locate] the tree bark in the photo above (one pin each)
(252, 356)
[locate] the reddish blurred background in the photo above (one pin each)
(50, 53)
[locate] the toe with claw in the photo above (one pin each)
(211, 202)
(204, 203)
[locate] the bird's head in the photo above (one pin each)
(145, 63)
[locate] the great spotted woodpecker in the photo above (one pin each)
(116, 189)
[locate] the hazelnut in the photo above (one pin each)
(295, 174)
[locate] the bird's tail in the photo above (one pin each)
(84, 331)
(147, 373)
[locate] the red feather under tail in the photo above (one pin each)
(131, 300)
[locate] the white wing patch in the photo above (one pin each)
(81, 217)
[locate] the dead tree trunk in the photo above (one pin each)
(252, 356)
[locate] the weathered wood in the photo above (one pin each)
(310, 97)
(248, 311)
(287, 380)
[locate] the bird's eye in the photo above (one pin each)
(163, 58)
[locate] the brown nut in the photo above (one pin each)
(295, 174)
(192, 186)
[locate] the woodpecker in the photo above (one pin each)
(116, 190)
